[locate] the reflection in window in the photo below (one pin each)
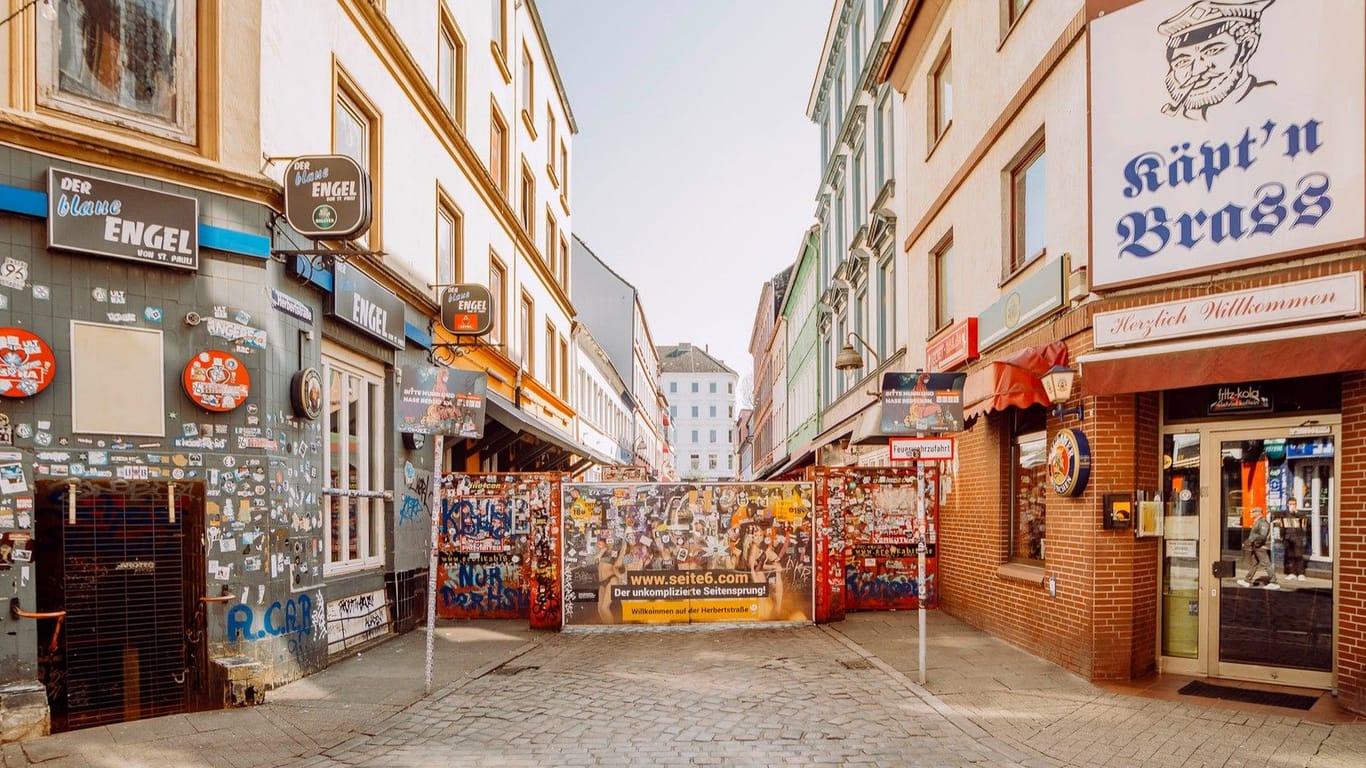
(1028, 485)
(353, 462)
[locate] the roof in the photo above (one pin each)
(780, 283)
(688, 358)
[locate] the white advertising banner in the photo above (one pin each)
(1317, 299)
(1224, 132)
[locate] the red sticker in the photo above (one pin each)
(217, 381)
(26, 363)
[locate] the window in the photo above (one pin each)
(730, 436)
(1028, 484)
(123, 63)
(564, 263)
(527, 312)
(498, 147)
(1013, 10)
(694, 436)
(673, 389)
(711, 387)
(711, 460)
(498, 292)
(528, 200)
(499, 31)
(450, 68)
(356, 134)
(712, 435)
(856, 47)
(354, 525)
(882, 135)
(673, 411)
(712, 412)
(551, 232)
(564, 174)
(694, 411)
(528, 89)
(940, 310)
(1027, 208)
(941, 95)
(886, 298)
(730, 411)
(694, 389)
(564, 367)
(552, 372)
(730, 387)
(449, 242)
(695, 461)
(730, 461)
(859, 210)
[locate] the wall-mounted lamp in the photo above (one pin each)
(1057, 384)
(849, 358)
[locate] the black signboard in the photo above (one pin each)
(437, 400)
(360, 301)
(327, 196)
(94, 215)
(922, 403)
(467, 309)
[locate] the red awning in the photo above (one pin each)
(1276, 354)
(1012, 381)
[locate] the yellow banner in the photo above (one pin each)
(670, 611)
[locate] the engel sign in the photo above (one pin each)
(921, 448)
(467, 309)
(327, 196)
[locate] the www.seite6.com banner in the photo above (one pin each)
(658, 553)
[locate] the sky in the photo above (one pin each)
(695, 169)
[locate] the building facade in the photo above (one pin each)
(603, 404)
(701, 395)
(1115, 531)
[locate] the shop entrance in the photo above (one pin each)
(1245, 599)
(124, 560)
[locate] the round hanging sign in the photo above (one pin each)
(216, 381)
(26, 363)
(1069, 463)
(306, 393)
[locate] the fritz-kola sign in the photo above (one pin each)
(363, 303)
(93, 215)
(1219, 138)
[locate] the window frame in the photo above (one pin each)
(552, 234)
(449, 32)
(552, 363)
(941, 95)
(370, 548)
(941, 277)
(527, 201)
(527, 105)
(1027, 427)
(564, 262)
(345, 91)
(498, 137)
(498, 35)
(1035, 151)
(498, 290)
(182, 126)
(527, 333)
(446, 208)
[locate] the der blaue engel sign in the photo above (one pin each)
(93, 215)
(327, 196)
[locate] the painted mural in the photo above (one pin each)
(667, 553)
(880, 510)
(498, 533)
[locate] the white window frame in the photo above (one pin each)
(371, 472)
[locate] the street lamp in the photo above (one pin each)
(1057, 384)
(849, 358)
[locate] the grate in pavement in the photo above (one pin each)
(511, 669)
(857, 663)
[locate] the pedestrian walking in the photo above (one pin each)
(1257, 547)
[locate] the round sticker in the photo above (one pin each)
(26, 363)
(216, 381)
(1069, 463)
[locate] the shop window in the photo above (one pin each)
(354, 462)
(123, 63)
(1028, 486)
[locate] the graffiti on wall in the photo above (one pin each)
(687, 552)
(496, 545)
(882, 509)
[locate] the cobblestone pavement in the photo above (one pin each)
(749, 697)
(838, 695)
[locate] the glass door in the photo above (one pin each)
(1247, 557)
(1272, 560)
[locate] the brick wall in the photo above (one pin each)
(1352, 546)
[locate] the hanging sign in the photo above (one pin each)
(216, 381)
(26, 363)
(467, 309)
(361, 302)
(306, 393)
(1069, 462)
(922, 402)
(437, 400)
(327, 196)
(920, 448)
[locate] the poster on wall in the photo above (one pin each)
(439, 400)
(1219, 138)
(668, 553)
(887, 512)
(26, 363)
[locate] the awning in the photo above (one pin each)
(1275, 354)
(868, 428)
(801, 459)
(504, 412)
(1012, 381)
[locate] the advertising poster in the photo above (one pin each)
(920, 402)
(669, 553)
(498, 535)
(437, 400)
(882, 533)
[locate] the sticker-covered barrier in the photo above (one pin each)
(829, 535)
(657, 553)
(499, 548)
(879, 510)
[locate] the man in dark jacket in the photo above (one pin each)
(1258, 549)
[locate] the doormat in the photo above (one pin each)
(1248, 696)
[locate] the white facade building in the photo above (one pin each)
(701, 395)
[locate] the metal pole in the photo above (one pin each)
(921, 591)
(437, 445)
